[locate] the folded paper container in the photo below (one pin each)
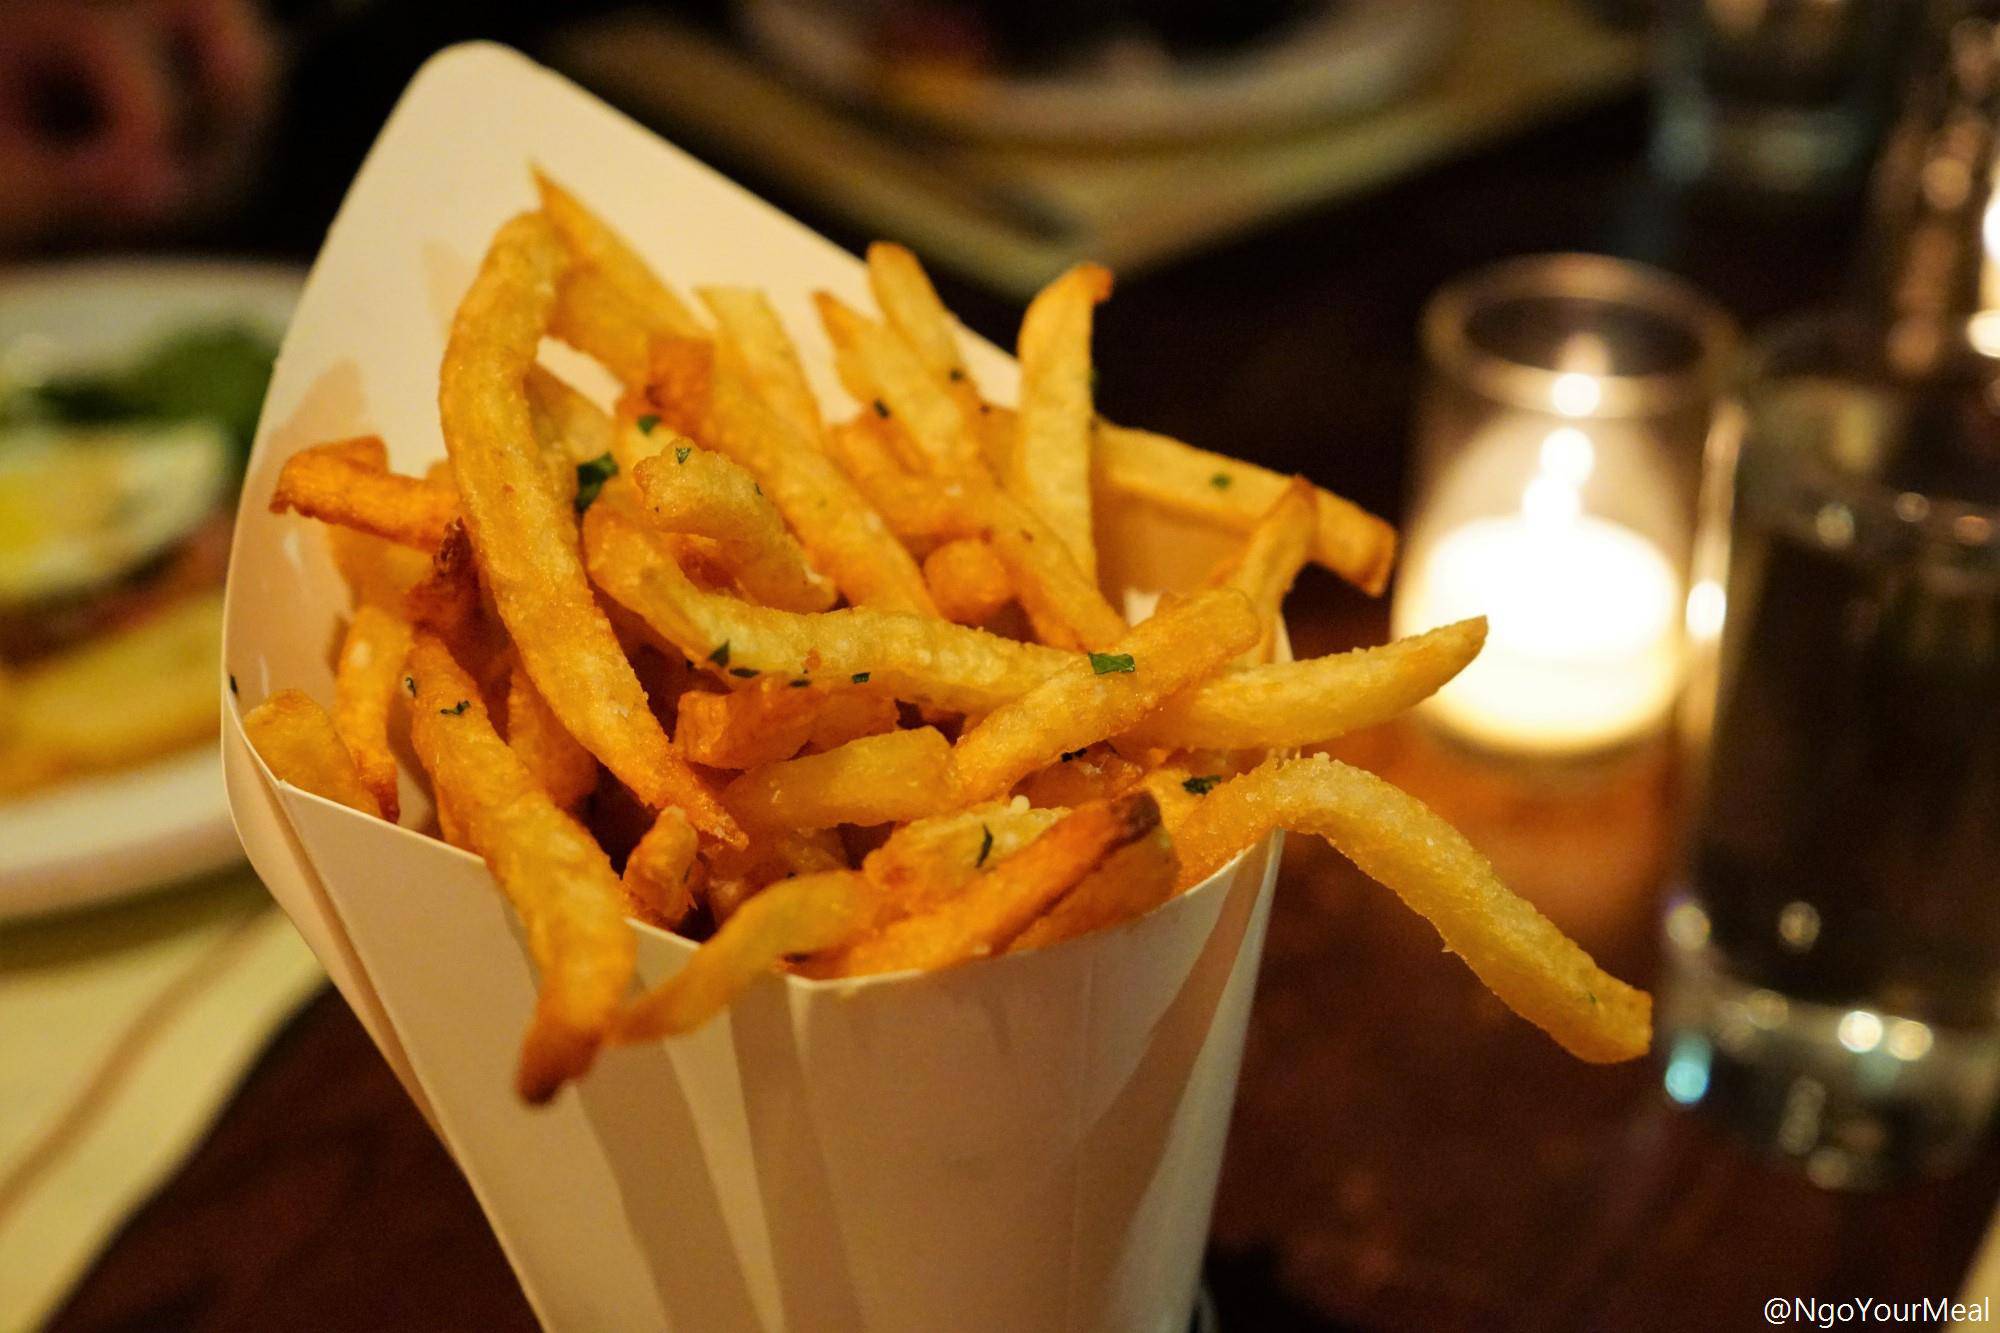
(1029, 1142)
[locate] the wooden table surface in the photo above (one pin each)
(1404, 1154)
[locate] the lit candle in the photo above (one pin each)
(1583, 645)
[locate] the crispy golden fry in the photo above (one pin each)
(1078, 777)
(1537, 970)
(1232, 494)
(366, 678)
(561, 884)
(1289, 705)
(910, 304)
(1269, 559)
(848, 715)
(874, 780)
(847, 539)
(1063, 602)
(967, 581)
(734, 877)
(660, 873)
(592, 241)
(593, 316)
(1132, 882)
(130, 695)
(928, 862)
(567, 771)
(994, 909)
(764, 723)
(564, 414)
(1050, 467)
(692, 490)
(917, 509)
(332, 483)
(377, 572)
(297, 742)
(753, 333)
(799, 916)
(921, 659)
(1089, 699)
(966, 670)
(517, 525)
(890, 380)
(1178, 789)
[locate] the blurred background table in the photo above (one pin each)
(1404, 1154)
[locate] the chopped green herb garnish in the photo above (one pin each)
(456, 708)
(985, 846)
(590, 479)
(859, 678)
(1106, 663)
(410, 684)
(757, 486)
(956, 375)
(1068, 755)
(742, 673)
(1221, 481)
(647, 422)
(681, 453)
(1201, 786)
(800, 683)
(881, 409)
(232, 684)
(721, 654)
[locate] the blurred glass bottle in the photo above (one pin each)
(1836, 984)
(1774, 97)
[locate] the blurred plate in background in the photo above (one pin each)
(109, 835)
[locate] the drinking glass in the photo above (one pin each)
(1834, 988)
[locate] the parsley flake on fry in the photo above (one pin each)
(1201, 786)
(1105, 664)
(591, 476)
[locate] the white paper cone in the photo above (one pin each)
(1030, 1142)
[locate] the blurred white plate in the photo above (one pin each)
(148, 827)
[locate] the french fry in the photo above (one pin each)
(919, 510)
(592, 241)
(592, 315)
(331, 482)
(297, 741)
(928, 862)
(567, 771)
(1269, 559)
(1391, 837)
(752, 331)
(1050, 467)
(762, 723)
(1089, 699)
(735, 877)
(377, 572)
(692, 490)
(1132, 881)
(1232, 494)
(1064, 603)
(1289, 705)
(517, 526)
(564, 414)
(1078, 777)
(995, 908)
(366, 678)
(873, 780)
(660, 873)
(918, 658)
(911, 306)
(961, 669)
(893, 382)
(557, 878)
(799, 916)
(967, 581)
(140, 691)
(846, 538)
(848, 715)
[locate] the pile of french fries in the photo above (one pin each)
(843, 696)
